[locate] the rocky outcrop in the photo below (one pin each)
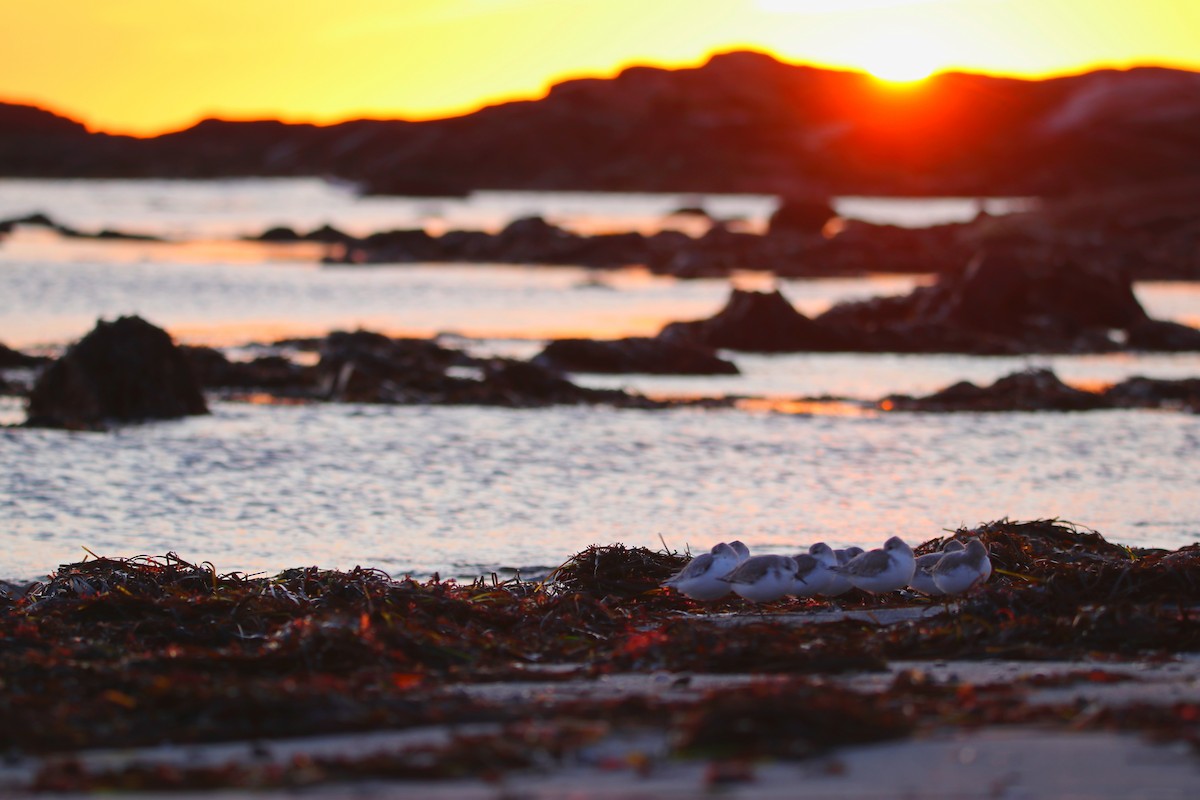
(999, 304)
(1034, 390)
(806, 216)
(40, 220)
(122, 371)
(1139, 392)
(272, 373)
(1158, 335)
(633, 355)
(365, 367)
(530, 240)
(1003, 304)
(1042, 390)
(1009, 296)
(762, 322)
(15, 359)
(368, 367)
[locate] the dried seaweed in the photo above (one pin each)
(616, 571)
(793, 720)
(138, 651)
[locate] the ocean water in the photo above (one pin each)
(465, 491)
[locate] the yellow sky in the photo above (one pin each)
(146, 66)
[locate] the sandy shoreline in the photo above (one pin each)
(1006, 761)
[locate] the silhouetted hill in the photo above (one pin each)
(741, 122)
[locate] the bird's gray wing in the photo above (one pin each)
(806, 565)
(755, 567)
(869, 563)
(927, 562)
(695, 568)
(950, 562)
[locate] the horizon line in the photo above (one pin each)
(465, 110)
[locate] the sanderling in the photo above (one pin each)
(959, 571)
(882, 570)
(701, 579)
(742, 551)
(761, 579)
(838, 584)
(812, 570)
(922, 580)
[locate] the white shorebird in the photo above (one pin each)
(884, 570)
(922, 580)
(812, 570)
(742, 551)
(702, 578)
(761, 579)
(838, 584)
(959, 571)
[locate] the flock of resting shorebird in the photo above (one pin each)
(829, 573)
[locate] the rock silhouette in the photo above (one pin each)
(762, 322)
(215, 371)
(127, 370)
(1042, 390)
(742, 122)
(367, 367)
(10, 359)
(999, 304)
(634, 355)
(1033, 390)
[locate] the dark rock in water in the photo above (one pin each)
(327, 234)
(801, 215)
(717, 253)
(125, 236)
(368, 367)
(125, 371)
(532, 240)
(1034, 390)
(1163, 335)
(696, 262)
(909, 324)
(215, 371)
(1006, 295)
(280, 233)
(401, 246)
(1006, 304)
(634, 355)
(41, 220)
(1041, 390)
(520, 381)
(365, 367)
(1010, 301)
(758, 322)
(10, 359)
(529, 240)
(1139, 392)
(37, 219)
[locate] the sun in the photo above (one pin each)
(900, 56)
(896, 68)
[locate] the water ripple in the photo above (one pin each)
(424, 489)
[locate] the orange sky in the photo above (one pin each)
(147, 66)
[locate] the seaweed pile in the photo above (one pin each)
(147, 650)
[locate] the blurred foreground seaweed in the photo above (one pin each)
(139, 651)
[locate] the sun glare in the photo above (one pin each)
(899, 71)
(900, 57)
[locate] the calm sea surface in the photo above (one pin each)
(464, 491)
